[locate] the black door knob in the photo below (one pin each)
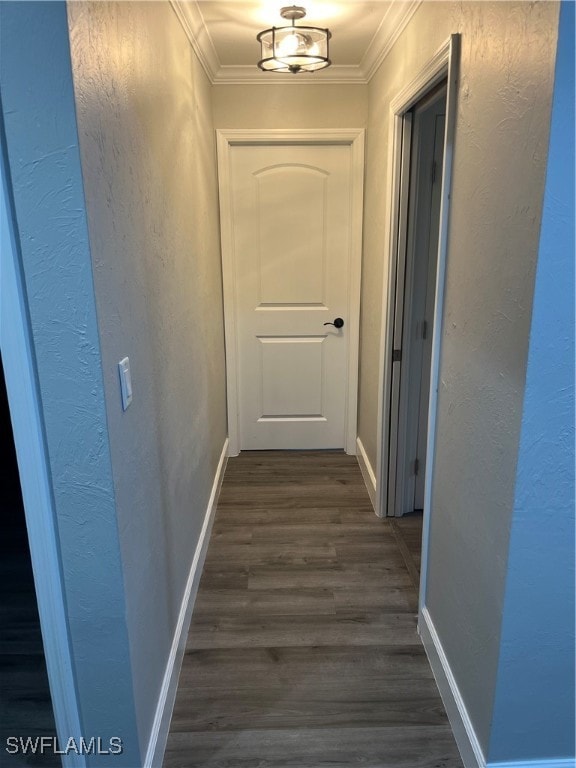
(338, 323)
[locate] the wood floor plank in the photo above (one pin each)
(249, 514)
(303, 650)
(364, 514)
(226, 556)
(316, 532)
(225, 669)
(25, 703)
(408, 534)
(283, 499)
(226, 578)
(321, 703)
(248, 632)
(382, 550)
(230, 535)
(352, 600)
(330, 576)
(392, 747)
(215, 603)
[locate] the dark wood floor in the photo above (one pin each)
(303, 649)
(25, 704)
(407, 531)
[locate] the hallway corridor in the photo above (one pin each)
(303, 648)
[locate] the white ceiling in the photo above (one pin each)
(223, 33)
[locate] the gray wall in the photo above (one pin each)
(148, 159)
(302, 105)
(534, 704)
(44, 163)
(498, 179)
(131, 488)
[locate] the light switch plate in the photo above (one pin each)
(125, 382)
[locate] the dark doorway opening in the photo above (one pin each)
(415, 292)
(25, 703)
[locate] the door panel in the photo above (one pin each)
(291, 239)
(419, 220)
(429, 265)
(291, 213)
(284, 395)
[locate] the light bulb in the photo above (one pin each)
(293, 44)
(288, 45)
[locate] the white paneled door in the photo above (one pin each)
(292, 257)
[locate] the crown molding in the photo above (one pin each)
(197, 33)
(390, 29)
(250, 75)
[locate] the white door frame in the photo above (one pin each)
(443, 65)
(28, 428)
(353, 137)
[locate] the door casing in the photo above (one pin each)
(232, 137)
(444, 65)
(26, 415)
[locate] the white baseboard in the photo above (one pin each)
(367, 472)
(466, 739)
(161, 726)
(568, 762)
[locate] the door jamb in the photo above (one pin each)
(444, 64)
(397, 491)
(28, 429)
(225, 139)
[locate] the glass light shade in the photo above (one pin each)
(294, 49)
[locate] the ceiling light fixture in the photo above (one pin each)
(294, 49)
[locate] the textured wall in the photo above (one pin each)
(44, 162)
(290, 106)
(534, 705)
(148, 158)
(498, 177)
